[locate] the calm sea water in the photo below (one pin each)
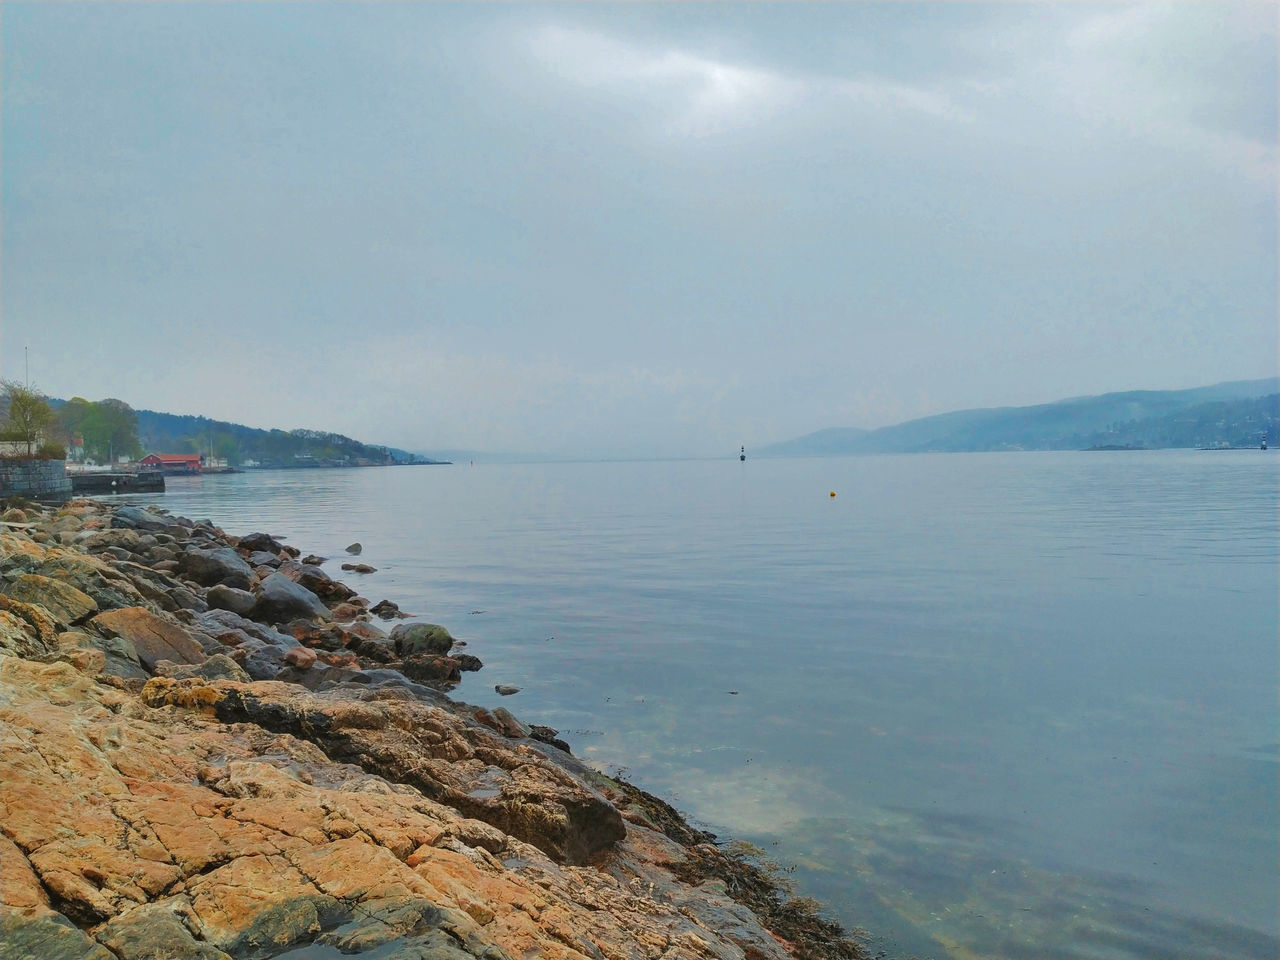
(985, 705)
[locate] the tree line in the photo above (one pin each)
(105, 430)
(108, 429)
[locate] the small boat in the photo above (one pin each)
(742, 455)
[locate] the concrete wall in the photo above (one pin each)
(36, 479)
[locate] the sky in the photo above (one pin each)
(632, 229)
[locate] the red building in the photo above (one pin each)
(171, 462)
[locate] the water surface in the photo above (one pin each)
(988, 705)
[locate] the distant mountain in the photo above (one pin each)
(1235, 413)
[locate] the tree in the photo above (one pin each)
(27, 415)
(111, 429)
(70, 419)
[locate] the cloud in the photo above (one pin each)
(887, 95)
(697, 95)
(1164, 73)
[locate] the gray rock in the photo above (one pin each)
(506, 689)
(354, 548)
(265, 663)
(411, 639)
(48, 936)
(309, 576)
(219, 565)
(261, 558)
(105, 539)
(156, 930)
(222, 597)
(281, 600)
(228, 625)
(138, 518)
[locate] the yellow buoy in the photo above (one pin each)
(833, 493)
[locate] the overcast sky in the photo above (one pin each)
(645, 229)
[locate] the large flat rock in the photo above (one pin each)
(154, 639)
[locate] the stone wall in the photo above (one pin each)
(36, 479)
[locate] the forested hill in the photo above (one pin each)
(1226, 414)
(111, 425)
(177, 433)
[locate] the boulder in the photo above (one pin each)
(18, 638)
(385, 610)
(222, 597)
(300, 657)
(261, 558)
(152, 638)
(137, 518)
(40, 623)
(280, 600)
(314, 560)
(346, 612)
(432, 669)
(506, 689)
(218, 565)
(264, 542)
(359, 568)
(354, 548)
(232, 629)
(327, 636)
(102, 540)
(63, 602)
(311, 577)
(217, 667)
(412, 639)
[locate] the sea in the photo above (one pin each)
(1000, 705)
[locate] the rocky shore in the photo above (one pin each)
(212, 749)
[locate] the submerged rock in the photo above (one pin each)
(385, 610)
(411, 639)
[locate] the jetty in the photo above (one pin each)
(147, 481)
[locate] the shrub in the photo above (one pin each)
(52, 451)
